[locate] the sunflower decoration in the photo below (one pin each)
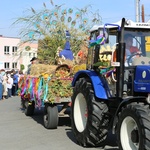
(31, 35)
(73, 23)
(85, 21)
(45, 17)
(64, 12)
(69, 19)
(70, 10)
(62, 18)
(78, 14)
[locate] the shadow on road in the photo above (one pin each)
(66, 121)
(110, 141)
(38, 117)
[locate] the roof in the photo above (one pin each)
(129, 24)
(32, 45)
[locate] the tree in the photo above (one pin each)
(21, 67)
(48, 27)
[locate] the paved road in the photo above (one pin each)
(19, 132)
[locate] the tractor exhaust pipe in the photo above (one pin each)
(120, 58)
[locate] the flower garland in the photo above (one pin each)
(41, 89)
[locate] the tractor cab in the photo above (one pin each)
(133, 76)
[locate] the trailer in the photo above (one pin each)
(48, 91)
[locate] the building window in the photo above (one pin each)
(14, 50)
(33, 54)
(6, 65)
(14, 65)
(6, 49)
(29, 54)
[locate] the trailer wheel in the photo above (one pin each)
(29, 108)
(50, 117)
(22, 103)
(88, 116)
(133, 130)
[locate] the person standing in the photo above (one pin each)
(2, 71)
(33, 61)
(15, 83)
(5, 91)
(9, 85)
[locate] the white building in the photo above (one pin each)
(13, 54)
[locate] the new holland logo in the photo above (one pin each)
(144, 74)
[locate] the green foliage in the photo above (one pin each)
(22, 67)
(47, 49)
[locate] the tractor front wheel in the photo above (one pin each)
(88, 116)
(133, 129)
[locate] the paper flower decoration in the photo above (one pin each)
(78, 14)
(81, 26)
(31, 35)
(55, 13)
(37, 25)
(45, 17)
(70, 10)
(64, 12)
(62, 18)
(73, 23)
(69, 19)
(85, 20)
(54, 22)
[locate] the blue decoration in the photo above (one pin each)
(31, 34)
(45, 17)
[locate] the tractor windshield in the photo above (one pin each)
(137, 43)
(139, 40)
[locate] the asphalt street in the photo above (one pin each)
(20, 132)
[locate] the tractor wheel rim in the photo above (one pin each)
(129, 134)
(46, 118)
(80, 112)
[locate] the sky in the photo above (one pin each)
(111, 11)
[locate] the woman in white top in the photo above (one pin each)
(9, 85)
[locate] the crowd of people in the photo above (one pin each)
(9, 83)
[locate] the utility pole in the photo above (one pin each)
(143, 14)
(137, 6)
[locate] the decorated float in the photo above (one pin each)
(49, 86)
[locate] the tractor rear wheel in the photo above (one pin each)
(88, 116)
(133, 129)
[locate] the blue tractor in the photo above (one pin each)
(114, 97)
